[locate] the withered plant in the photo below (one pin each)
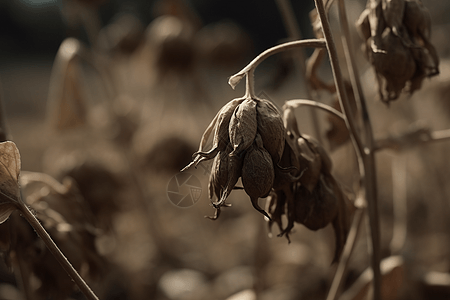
(255, 141)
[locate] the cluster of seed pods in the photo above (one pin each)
(254, 142)
(248, 141)
(396, 35)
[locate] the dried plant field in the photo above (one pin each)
(144, 156)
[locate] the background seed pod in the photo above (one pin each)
(271, 129)
(243, 126)
(317, 209)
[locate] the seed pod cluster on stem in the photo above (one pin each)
(254, 142)
(248, 143)
(396, 35)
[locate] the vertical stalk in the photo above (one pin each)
(56, 252)
(293, 29)
(365, 152)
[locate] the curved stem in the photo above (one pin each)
(314, 43)
(365, 152)
(56, 252)
(299, 102)
(293, 29)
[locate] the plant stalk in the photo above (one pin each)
(365, 152)
(56, 252)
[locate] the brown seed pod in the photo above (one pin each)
(257, 173)
(393, 12)
(219, 173)
(243, 126)
(271, 128)
(394, 67)
(221, 138)
(312, 161)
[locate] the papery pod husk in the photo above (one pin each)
(243, 126)
(393, 13)
(271, 128)
(290, 122)
(234, 172)
(289, 159)
(327, 164)
(317, 209)
(377, 25)
(219, 125)
(417, 19)
(326, 204)
(257, 173)
(311, 161)
(219, 173)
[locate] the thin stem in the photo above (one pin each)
(56, 252)
(314, 43)
(299, 102)
(346, 254)
(365, 153)
(293, 29)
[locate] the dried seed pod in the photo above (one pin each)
(221, 138)
(317, 209)
(257, 173)
(393, 12)
(243, 126)
(271, 128)
(394, 68)
(312, 161)
(219, 173)
(417, 19)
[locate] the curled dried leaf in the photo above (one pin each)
(9, 179)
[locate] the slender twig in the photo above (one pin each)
(294, 32)
(299, 102)
(364, 152)
(314, 43)
(56, 252)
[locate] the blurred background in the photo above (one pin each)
(116, 95)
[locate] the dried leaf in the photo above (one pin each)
(9, 179)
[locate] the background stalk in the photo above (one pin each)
(365, 152)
